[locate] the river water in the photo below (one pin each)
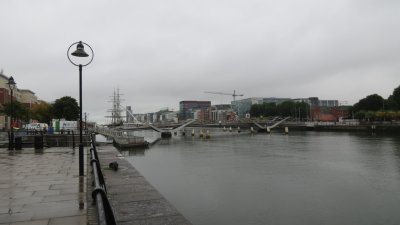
(301, 178)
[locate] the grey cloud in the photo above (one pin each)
(159, 53)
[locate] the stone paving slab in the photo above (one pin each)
(134, 200)
(41, 187)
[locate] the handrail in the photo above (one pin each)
(104, 210)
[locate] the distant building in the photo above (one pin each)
(129, 117)
(187, 108)
(24, 96)
(243, 106)
(330, 113)
(222, 107)
(167, 116)
(27, 97)
(324, 110)
(329, 103)
(223, 114)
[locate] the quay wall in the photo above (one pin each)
(302, 126)
(133, 198)
(380, 128)
(383, 128)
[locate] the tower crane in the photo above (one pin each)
(233, 95)
(221, 93)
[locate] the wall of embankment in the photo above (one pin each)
(133, 198)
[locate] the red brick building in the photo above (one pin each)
(24, 96)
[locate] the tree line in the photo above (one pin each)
(65, 107)
(375, 107)
(300, 110)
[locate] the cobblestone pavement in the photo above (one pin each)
(41, 187)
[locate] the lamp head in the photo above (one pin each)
(80, 52)
(11, 83)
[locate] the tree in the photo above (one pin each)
(370, 103)
(270, 109)
(286, 108)
(42, 112)
(67, 108)
(394, 99)
(18, 111)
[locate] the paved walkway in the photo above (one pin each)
(41, 187)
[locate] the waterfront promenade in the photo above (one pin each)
(41, 187)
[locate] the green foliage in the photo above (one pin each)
(374, 107)
(67, 108)
(378, 115)
(286, 108)
(18, 111)
(394, 99)
(265, 109)
(42, 112)
(370, 103)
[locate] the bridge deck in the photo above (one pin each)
(272, 126)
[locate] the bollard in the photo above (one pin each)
(18, 143)
(268, 130)
(238, 129)
(224, 129)
(113, 166)
(38, 142)
(286, 130)
(193, 132)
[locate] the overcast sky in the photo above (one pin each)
(160, 52)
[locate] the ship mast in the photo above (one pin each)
(116, 111)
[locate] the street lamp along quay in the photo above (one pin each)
(80, 52)
(11, 84)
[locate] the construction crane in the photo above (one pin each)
(221, 93)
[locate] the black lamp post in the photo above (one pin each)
(80, 52)
(11, 84)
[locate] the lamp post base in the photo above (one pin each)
(81, 160)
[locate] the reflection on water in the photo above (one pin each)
(301, 178)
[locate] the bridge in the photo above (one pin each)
(121, 138)
(166, 133)
(268, 128)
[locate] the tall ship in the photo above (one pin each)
(115, 114)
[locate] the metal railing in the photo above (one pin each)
(99, 194)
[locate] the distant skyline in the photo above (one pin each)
(161, 52)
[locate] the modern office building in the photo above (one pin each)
(243, 106)
(329, 103)
(187, 108)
